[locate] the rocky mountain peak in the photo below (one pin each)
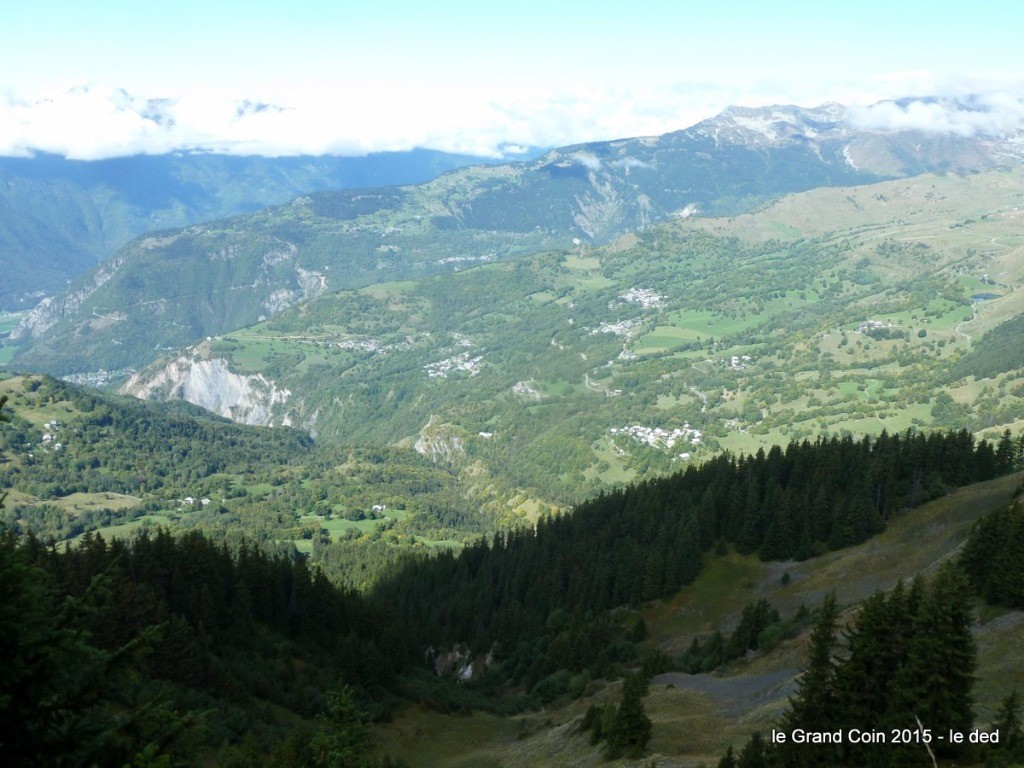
(775, 124)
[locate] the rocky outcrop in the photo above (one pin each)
(458, 662)
(53, 309)
(307, 285)
(210, 384)
(441, 443)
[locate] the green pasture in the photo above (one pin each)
(721, 589)
(255, 489)
(442, 543)
(338, 526)
(972, 284)
(256, 353)
(82, 502)
(582, 263)
(542, 297)
(10, 320)
(124, 530)
(791, 299)
(37, 413)
(390, 290)
(685, 326)
(666, 402)
(862, 390)
(750, 441)
(938, 315)
(583, 273)
(253, 354)
(609, 467)
(557, 388)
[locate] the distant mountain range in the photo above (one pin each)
(60, 218)
(168, 290)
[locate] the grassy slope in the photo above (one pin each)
(697, 717)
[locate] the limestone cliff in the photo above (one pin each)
(210, 384)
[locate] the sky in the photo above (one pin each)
(100, 78)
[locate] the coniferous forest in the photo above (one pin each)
(175, 649)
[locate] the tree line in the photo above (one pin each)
(647, 540)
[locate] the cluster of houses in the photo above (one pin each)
(621, 328)
(97, 379)
(360, 345)
(657, 437)
(871, 325)
(460, 362)
(459, 260)
(525, 389)
(49, 438)
(645, 297)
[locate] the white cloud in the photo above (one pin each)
(988, 115)
(629, 163)
(357, 117)
(587, 160)
(92, 122)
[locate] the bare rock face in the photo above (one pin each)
(248, 399)
(53, 309)
(441, 443)
(458, 662)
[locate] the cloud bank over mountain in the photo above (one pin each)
(984, 115)
(96, 122)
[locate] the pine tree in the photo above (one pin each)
(877, 651)
(754, 753)
(936, 682)
(815, 706)
(728, 760)
(992, 556)
(1005, 454)
(631, 731)
(1008, 723)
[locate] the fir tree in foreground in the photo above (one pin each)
(631, 729)
(994, 556)
(626, 729)
(909, 658)
(814, 707)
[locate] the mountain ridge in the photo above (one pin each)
(590, 192)
(60, 217)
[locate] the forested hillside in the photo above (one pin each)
(78, 461)
(223, 275)
(60, 218)
(223, 651)
(645, 542)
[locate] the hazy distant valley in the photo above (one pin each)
(60, 218)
